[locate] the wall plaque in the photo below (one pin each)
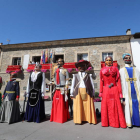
(24, 88)
(59, 50)
(94, 52)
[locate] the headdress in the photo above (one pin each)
(81, 62)
(123, 56)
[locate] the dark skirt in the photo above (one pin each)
(10, 112)
(35, 113)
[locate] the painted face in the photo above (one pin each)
(37, 68)
(127, 59)
(60, 62)
(12, 75)
(82, 67)
(108, 61)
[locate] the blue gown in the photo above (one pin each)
(135, 104)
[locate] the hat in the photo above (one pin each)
(13, 73)
(125, 55)
(81, 62)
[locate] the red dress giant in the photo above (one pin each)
(111, 109)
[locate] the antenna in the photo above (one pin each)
(8, 41)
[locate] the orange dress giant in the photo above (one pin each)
(111, 109)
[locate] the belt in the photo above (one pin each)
(61, 86)
(131, 79)
(10, 92)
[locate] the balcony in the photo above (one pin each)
(13, 68)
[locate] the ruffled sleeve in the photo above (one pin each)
(118, 81)
(101, 84)
(72, 85)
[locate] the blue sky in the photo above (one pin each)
(24, 21)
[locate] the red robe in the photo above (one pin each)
(60, 111)
(111, 109)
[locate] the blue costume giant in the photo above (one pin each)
(10, 107)
(130, 81)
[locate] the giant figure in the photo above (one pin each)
(111, 93)
(36, 88)
(82, 92)
(130, 80)
(10, 111)
(60, 111)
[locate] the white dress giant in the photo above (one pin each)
(127, 93)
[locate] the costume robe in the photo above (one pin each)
(111, 109)
(10, 111)
(36, 113)
(131, 94)
(82, 91)
(60, 110)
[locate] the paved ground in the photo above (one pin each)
(67, 131)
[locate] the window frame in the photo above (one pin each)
(58, 54)
(107, 54)
(81, 52)
(32, 57)
(17, 59)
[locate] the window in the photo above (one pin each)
(83, 56)
(95, 85)
(16, 61)
(36, 59)
(56, 57)
(104, 55)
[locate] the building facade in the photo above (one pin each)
(92, 49)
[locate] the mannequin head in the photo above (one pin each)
(127, 59)
(37, 67)
(108, 61)
(82, 65)
(13, 75)
(60, 62)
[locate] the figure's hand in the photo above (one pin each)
(1, 99)
(71, 97)
(42, 97)
(17, 99)
(123, 102)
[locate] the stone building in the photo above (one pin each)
(71, 50)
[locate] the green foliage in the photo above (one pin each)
(96, 94)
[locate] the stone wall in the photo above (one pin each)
(117, 45)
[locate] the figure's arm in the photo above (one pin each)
(101, 84)
(138, 73)
(92, 84)
(55, 76)
(122, 81)
(28, 87)
(17, 91)
(4, 92)
(67, 78)
(72, 86)
(119, 84)
(43, 86)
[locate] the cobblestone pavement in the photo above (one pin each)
(67, 131)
